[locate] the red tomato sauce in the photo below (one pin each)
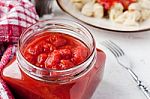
(109, 3)
(55, 51)
(25, 87)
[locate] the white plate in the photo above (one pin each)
(106, 24)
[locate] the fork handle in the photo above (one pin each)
(143, 88)
(134, 76)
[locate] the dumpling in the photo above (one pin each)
(129, 18)
(121, 18)
(134, 6)
(145, 13)
(133, 18)
(115, 11)
(98, 10)
(74, 1)
(145, 4)
(78, 5)
(86, 1)
(87, 9)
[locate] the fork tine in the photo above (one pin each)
(117, 48)
(106, 44)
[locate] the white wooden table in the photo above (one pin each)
(117, 83)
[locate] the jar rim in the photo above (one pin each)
(55, 70)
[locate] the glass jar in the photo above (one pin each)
(31, 82)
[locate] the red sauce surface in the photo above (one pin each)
(109, 3)
(55, 51)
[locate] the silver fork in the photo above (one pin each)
(124, 61)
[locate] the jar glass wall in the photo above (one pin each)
(29, 81)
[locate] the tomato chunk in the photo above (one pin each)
(79, 54)
(55, 51)
(41, 59)
(65, 53)
(53, 60)
(65, 64)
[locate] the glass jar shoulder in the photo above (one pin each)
(11, 71)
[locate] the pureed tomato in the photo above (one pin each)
(109, 3)
(55, 51)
